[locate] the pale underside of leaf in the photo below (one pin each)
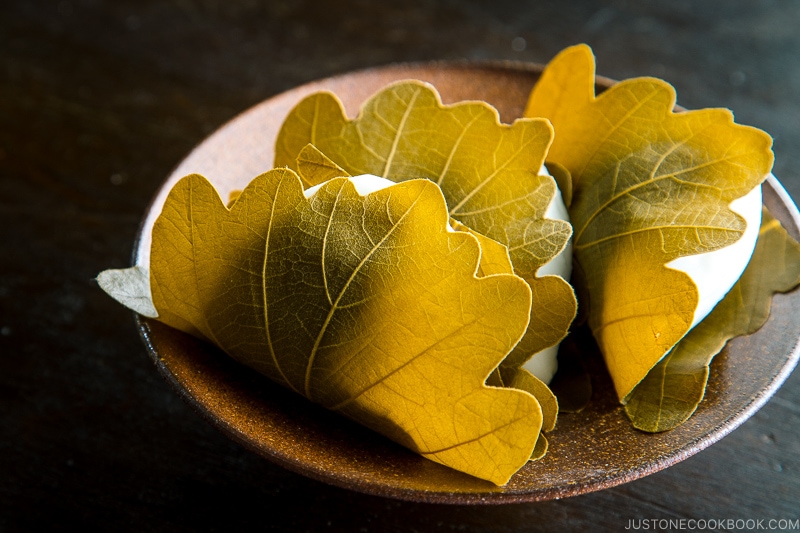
(130, 287)
(649, 185)
(365, 304)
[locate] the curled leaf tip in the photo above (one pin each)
(130, 287)
(672, 391)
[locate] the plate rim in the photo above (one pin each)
(732, 422)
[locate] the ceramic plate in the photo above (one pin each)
(591, 450)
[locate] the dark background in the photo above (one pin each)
(99, 100)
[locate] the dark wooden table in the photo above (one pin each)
(99, 100)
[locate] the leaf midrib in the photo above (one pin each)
(454, 210)
(399, 133)
(195, 261)
(264, 289)
(477, 438)
(651, 181)
(335, 305)
(410, 360)
(659, 228)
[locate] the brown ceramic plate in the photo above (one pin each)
(592, 450)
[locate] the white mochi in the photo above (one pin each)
(716, 272)
(364, 184)
(544, 364)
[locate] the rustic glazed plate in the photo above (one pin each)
(591, 450)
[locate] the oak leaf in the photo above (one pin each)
(649, 186)
(366, 304)
(671, 392)
(487, 171)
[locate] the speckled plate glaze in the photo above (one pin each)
(589, 451)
